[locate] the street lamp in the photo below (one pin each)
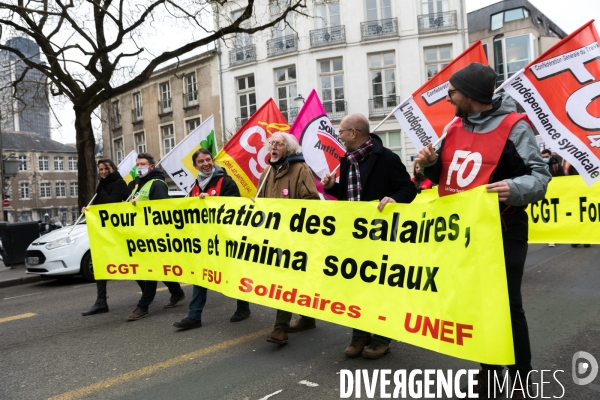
(299, 98)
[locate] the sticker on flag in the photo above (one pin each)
(127, 167)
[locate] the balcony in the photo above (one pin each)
(282, 45)
(328, 36)
(381, 106)
(437, 22)
(190, 99)
(164, 106)
(336, 110)
(242, 55)
(379, 29)
(136, 115)
(290, 114)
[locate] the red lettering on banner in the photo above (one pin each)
(121, 269)
(446, 331)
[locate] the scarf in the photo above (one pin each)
(203, 183)
(355, 158)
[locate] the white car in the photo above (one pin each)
(58, 253)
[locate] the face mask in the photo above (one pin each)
(202, 174)
(142, 172)
(546, 160)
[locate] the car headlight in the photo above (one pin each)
(66, 241)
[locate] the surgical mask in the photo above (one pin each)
(546, 160)
(142, 172)
(203, 175)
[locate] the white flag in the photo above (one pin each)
(127, 167)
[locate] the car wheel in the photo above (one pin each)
(87, 269)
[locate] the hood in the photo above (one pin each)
(61, 233)
(294, 158)
(502, 104)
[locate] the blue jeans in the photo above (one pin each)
(150, 291)
(199, 300)
(359, 333)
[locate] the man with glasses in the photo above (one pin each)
(287, 177)
(368, 172)
(490, 144)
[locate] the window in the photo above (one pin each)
(74, 189)
(485, 51)
(25, 216)
(242, 39)
(499, 19)
(378, 9)
(511, 54)
(246, 97)
(45, 190)
(23, 166)
(43, 163)
(168, 138)
(392, 141)
(437, 58)
(119, 155)
(191, 93)
(24, 190)
(140, 142)
(137, 106)
(285, 81)
(60, 189)
(192, 124)
(165, 97)
(433, 13)
(72, 163)
(284, 27)
(434, 6)
(116, 109)
(328, 15)
(383, 79)
(59, 164)
(332, 85)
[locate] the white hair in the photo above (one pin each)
(291, 144)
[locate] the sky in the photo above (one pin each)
(567, 15)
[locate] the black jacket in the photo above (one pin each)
(158, 191)
(111, 189)
(385, 176)
(228, 187)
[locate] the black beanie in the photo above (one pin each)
(476, 81)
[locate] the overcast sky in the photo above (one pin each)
(568, 15)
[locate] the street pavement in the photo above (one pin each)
(48, 350)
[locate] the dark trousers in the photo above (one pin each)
(283, 318)
(101, 288)
(199, 295)
(149, 292)
(515, 253)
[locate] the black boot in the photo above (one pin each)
(100, 306)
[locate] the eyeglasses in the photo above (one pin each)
(343, 130)
(276, 144)
(451, 92)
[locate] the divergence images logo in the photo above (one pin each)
(580, 367)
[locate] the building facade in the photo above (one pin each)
(513, 33)
(157, 115)
(361, 56)
(45, 185)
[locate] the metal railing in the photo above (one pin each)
(381, 106)
(137, 115)
(437, 22)
(282, 45)
(336, 109)
(328, 36)
(381, 28)
(164, 106)
(190, 99)
(242, 55)
(290, 114)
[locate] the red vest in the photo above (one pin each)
(211, 191)
(470, 158)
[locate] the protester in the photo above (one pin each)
(512, 167)
(368, 172)
(420, 181)
(150, 185)
(553, 163)
(287, 177)
(111, 189)
(212, 181)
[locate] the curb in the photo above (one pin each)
(20, 281)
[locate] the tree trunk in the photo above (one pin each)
(86, 163)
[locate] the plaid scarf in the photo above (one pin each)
(355, 158)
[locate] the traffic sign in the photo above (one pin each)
(6, 203)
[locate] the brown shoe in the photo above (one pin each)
(278, 336)
(174, 300)
(302, 324)
(138, 313)
(356, 346)
(376, 350)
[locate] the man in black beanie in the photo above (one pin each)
(490, 144)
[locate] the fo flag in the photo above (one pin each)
(424, 115)
(320, 145)
(178, 162)
(244, 157)
(127, 168)
(560, 92)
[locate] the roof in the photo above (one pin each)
(480, 19)
(22, 141)
(185, 61)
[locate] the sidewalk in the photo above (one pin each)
(15, 275)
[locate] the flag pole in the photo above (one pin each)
(262, 184)
(391, 113)
(81, 215)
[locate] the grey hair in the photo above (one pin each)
(291, 144)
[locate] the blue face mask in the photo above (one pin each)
(142, 172)
(546, 160)
(203, 175)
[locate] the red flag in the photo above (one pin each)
(560, 91)
(244, 157)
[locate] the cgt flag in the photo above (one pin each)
(127, 167)
(178, 162)
(244, 157)
(559, 91)
(424, 115)
(320, 145)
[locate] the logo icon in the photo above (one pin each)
(581, 368)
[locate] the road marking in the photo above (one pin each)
(25, 295)
(308, 383)
(14, 317)
(271, 395)
(106, 383)
(162, 289)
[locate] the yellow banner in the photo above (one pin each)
(431, 274)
